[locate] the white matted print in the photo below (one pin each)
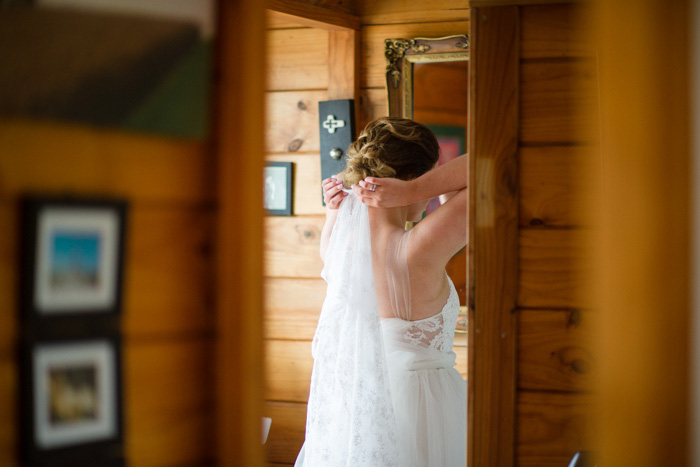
(75, 393)
(77, 259)
(277, 181)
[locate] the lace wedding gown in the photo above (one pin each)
(384, 392)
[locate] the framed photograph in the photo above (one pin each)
(71, 399)
(277, 185)
(72, 256)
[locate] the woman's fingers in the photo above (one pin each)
(332, 192)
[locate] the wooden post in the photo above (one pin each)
(239, 124)
(643, 256)
(494, 218)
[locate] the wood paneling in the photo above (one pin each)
(9, 262)
(292, 246)
(80, 160)
(494, 195)
(554, 185)
(286, 431)
(554, 31)
(373, 60)
(168, 293)
(555, 350)
(552, 428)
(307, 195)
(553, 267)
(553, 98)
(288, 370)
(373, 104)
(9, 434)
(169, 401)
(292, 307)
(292, 121)
(373, 12)
(297, 59)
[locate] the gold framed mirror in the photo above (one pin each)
(405, 57)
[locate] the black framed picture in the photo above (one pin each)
(71, 401)
(277, 180)
(72, 258)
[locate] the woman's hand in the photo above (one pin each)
(384, 192)
(333, 193)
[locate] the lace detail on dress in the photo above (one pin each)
(435, 332)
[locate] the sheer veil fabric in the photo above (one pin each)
(384, 391)
(350, 416)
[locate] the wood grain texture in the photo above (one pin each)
(296, 59)
(343, 64)
(9, 431)
(554, 31)
(277, 20)
(373, 12)
(373, 104)
(292, 307)
(307, 194)
(493, 147)
(373, 73)
(169, 399)
(555, 187)
(169, 293)
(288, 366)
(83, 160)
(323, 14)
(552, 427)
(239, 141)
(292, 121)
(555, 350)
(291, 246)
(286, 431)
(555, 97)
(554, 265)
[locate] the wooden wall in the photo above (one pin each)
(297, 79)
(557, 153)
(168, 293)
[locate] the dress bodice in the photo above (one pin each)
(424, 343)
(436, 332)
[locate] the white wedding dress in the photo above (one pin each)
(384, 392)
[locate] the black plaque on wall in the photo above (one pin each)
(337, 131)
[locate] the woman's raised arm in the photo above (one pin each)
(391, 192)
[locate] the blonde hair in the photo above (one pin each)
(391, 147)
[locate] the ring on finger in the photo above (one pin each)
(373, 187)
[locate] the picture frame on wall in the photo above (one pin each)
(277, 187)
(72, 258)
(71, 401)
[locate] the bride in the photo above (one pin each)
(384, 390)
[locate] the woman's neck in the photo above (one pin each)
(389, 217)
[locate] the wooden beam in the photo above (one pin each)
(315, 16)
(493, 178)
(497, 3)
(239, 126)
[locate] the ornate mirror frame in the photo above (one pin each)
(401, 54)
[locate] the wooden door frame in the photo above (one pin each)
(493, 236)
(238, 140)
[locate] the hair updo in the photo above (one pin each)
(391, 147)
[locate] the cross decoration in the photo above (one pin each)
(331, 124)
